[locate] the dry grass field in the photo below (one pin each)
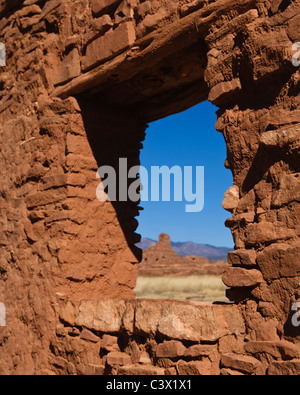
(194, 288)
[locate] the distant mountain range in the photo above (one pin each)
(191, 249)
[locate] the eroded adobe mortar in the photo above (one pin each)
(83, 79)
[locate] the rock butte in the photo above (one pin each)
(83, 79)
(160, 260)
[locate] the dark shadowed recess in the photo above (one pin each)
(114, 134)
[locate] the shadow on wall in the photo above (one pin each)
(115, 134)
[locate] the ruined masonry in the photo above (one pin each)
(82, 81)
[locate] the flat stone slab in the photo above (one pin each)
(194, 321)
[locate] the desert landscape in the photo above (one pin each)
(163, 274)
(80, 82)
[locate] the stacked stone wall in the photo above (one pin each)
(82, 80)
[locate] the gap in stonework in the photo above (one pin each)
(188, 261)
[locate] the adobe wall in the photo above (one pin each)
(83, 79)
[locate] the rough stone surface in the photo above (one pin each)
(88, 335)
(69, 68)
(284, 368)
(231, 200)
(101, 315)
(192, 321)
(118, 358)
(139, 370)
(197, 368)
(284, 350)
(83, 79)
(241, 363)
(110, 343)
(198, 322)
(100, 6)
(170, 349)
(238, 277)
(109, 45)
(246, 258)
(280, 260)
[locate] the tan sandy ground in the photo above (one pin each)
(196, 288)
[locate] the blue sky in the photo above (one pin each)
(188, 139)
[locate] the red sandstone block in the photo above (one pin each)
(191, 7)
(76, 179)
(171, 371)
(30, 10)
(242, 258)
(231, 198)
(267, 232)
(100, 6)
(199, 350)
(267, 330)
(118, 358)
(279, 260)
(88, 335)
(230, 372)
(170, 349)
(238, 277)
(285, 368)
(141, 370)
(242, 363)
(288, 189)
(57, 216)
(55, 181)
(69, 311)
(144, 359)
(144, 8)
(30, 233)
(195, 368)
(109, 45)
(110, 343)
(78, 145)
(102, 24)
(78, 162)
(224, 89)
(36, 171)
(187, 321)
(100, 315)
(293, 28)
(91, 370)
(279, 349)
(45, 198)
(69, 68)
